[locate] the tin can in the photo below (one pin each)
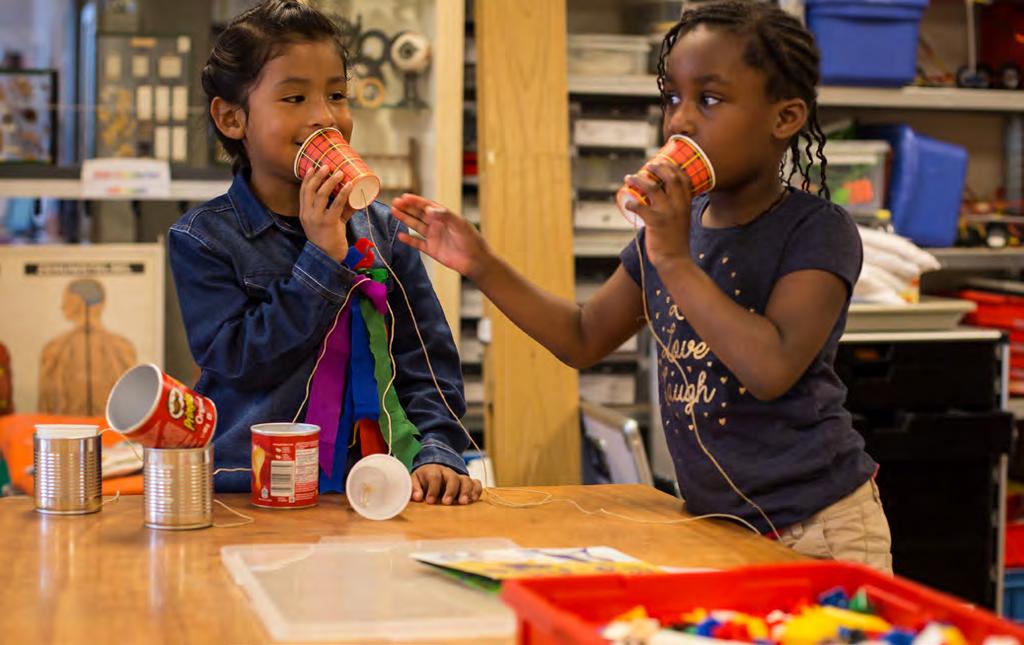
(178, 487)
(67, 460)
(327, 147)
(156, 411)
(685, 153)
(285, 465)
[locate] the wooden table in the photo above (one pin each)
(104, 577)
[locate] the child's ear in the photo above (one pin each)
(790, 117)
(228, 117)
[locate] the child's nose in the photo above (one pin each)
(321, 114)
(681, 121)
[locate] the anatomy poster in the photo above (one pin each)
(73, 318)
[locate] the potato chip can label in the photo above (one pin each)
(285, 465)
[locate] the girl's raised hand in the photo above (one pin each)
(448, 238)
(324, 220)
(667, 217)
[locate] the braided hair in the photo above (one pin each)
(785, 51)
(249, 42)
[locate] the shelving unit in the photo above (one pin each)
(904, 98)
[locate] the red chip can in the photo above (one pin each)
(157, 411)
(285, 465)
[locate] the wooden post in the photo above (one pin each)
(532, 421)
(448, 68)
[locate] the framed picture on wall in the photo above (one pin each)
(74, 318)
(28, 121)
(142, 97)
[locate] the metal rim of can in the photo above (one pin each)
(285, 429)
(163, 450)
(66, 426)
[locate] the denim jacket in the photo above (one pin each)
(258, 299)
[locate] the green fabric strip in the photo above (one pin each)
(403, 433)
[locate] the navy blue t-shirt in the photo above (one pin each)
(794, 455)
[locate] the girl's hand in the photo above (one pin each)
(448, 238)
(667, 217)
(434, 483)
(324, 220)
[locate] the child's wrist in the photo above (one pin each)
(482, 267)
(674, 264)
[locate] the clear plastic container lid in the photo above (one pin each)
(359, 589)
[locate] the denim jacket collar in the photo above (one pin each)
(253, 216)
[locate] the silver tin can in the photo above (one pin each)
(178, 487)
(67, 463)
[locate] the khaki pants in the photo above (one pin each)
(854, 529)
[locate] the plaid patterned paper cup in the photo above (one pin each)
(685, 153)
(328, 147)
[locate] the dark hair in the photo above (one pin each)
(249, 42)
(784, 50)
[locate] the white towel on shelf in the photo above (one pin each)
(893, 266)
(880, 241)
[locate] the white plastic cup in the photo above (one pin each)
(378, 487)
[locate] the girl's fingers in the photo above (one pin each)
(413, 222)
(310, 182)
(412, 205)
(339, 206)
(674, 180)
(329, 184)
(645, 183)
(411, 241)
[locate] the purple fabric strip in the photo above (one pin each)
(327, 393)
(377, 294)
(328, 389)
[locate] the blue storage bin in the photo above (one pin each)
(1013, 595)
(927, 184)
(866, 42)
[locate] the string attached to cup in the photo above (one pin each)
(493, 497)
(688, 156)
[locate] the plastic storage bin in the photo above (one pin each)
(364, 590)
(871, 42)
(856, 174)
(1013, 595)
(573, 610)
(604, 172)
(927, 184)
(615, 133)
(608, 55)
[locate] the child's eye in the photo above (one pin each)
(709, 101)
(294, 99)
(338, 96)
(671, 98)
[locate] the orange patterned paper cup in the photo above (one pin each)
(328, 147)
(685, 153)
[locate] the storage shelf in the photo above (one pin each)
(600, 244)
(981, 258)
(63, 182)
(182, 190)
(915, 98)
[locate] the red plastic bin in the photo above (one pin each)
(995, 310)
(576, 609)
